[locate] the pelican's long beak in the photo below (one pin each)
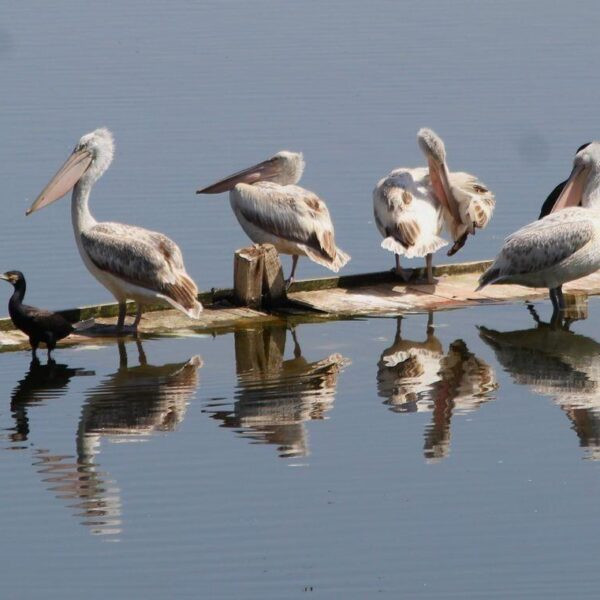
(573, 190)
(438, 173)
(262, 171)
(64, 180)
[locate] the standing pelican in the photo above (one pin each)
(273, 210)
(129, 261)
(466, 202)
(561, 247)
(411, 206)
(550, 202)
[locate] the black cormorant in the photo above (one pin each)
(41, 326)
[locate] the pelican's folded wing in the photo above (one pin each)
(145, 258)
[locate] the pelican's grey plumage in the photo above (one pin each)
(273, 210)
(561, 247)
(411, 206)
(131, 262)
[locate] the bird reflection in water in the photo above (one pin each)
(419, 377)
(556, 362)
(127, 406)
(42, 383)
(274, 397)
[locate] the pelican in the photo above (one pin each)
(550, 202)
(272, 209)
(561, 247)
(412, 205)
(129, 261)
(466, 202)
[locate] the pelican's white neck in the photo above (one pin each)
(80, 212)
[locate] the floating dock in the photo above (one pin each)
(317, 299)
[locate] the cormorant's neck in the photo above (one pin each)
(19, 293)
(80, 213)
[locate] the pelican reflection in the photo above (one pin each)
(555, 362)
(128, 405)
(418, 376)
(275, 396)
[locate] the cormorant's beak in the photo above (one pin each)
(262, 171)
(573, 190)
(64, 180)
(438, 174)
(5, 277)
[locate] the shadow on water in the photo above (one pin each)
(556, 362)
(417, 376)
(128, 405)
(274, 397)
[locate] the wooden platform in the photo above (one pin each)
(455, 287)
(314, 300)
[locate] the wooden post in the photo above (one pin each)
(248, 267)
(273, 282)
(257, 276)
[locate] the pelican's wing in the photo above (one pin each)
(545, 243)
(391, 209)
(476, 202)
(145, 258)
(289, 212)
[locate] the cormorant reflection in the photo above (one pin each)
(556, 362)
(417, 376)
(40, 384)
(128, 405)
(274, 397)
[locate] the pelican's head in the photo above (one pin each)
(284, 168)
(433, 147)
(88, 161)
(583, 186)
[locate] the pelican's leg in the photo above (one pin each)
(405, 275)
(429, 265)
(556, 311)
(138, 316)
(122, 311)
(288, 282)
(560, 298)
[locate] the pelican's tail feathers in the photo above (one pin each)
(432, 245)
(341, 258)
(491, 276)
(183, 295)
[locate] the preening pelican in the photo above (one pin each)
(273, 210)
(561, 247)
(412, 205)
(129, 261)
(467, 203)
(550, 202)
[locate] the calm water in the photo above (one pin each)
(422, 457)
(454, 456)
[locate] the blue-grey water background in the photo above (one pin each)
(355, 500)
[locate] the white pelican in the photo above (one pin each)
(561, 247)
(273, 210)
(129, 261)
(550, 202)
(411, 206)
(466, 202)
